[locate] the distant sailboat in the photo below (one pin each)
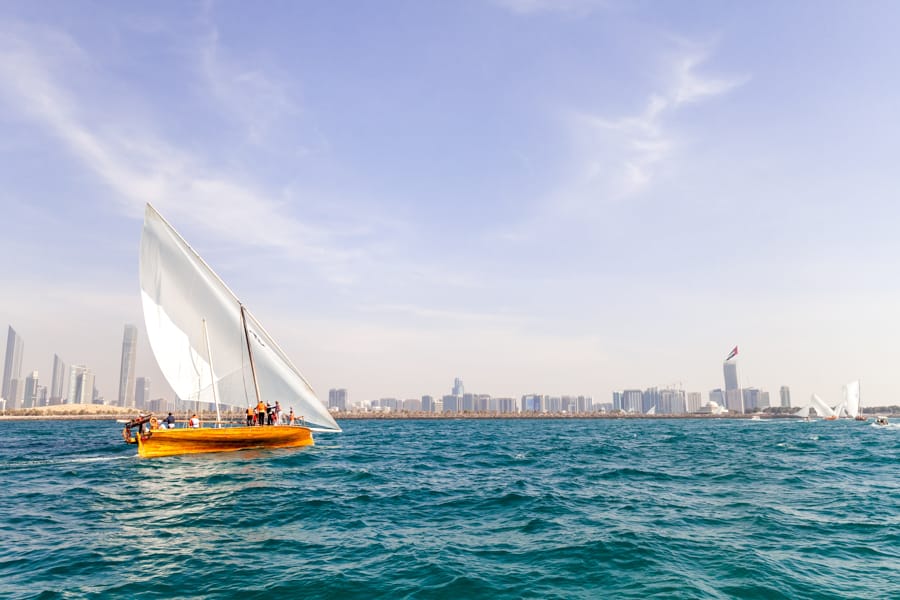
(651, 411)
(823, 410)
(211, 349)
(851, 401)
(803, 413)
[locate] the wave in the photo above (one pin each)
(485, 509)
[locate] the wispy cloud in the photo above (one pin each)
(531, 7)
(37, 65)
(249, 93)
(614, 158)
(623, 154)
(444, 316)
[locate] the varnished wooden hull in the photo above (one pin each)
(169, 442)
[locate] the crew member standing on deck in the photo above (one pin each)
(261, 412)
(249, 416)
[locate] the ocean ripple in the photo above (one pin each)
(459, 508)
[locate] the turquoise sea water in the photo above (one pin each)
(459, 509)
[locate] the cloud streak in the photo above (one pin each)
(139, 167)
(624, 154)
(248, 94)
(532, 7)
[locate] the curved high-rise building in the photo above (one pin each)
(12, 368)
(58, 383)
(126, 372)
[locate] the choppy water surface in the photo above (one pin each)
(459, 509)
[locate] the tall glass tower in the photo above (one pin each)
(58, 382)
(731, 378)
(734, 400)
(785, 396)
(12, 368)
(126, 372)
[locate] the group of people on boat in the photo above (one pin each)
(263, 414)
(147, 423)
(268, 414)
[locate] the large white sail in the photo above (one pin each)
(803, 412)
(279, 379)
(194, 321)
(822, 409)
(851, 398)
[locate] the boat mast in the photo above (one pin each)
(212, 375)
(250, 354)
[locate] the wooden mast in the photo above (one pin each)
(212, 375)
(250, 354)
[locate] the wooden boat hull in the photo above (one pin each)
(170, 442)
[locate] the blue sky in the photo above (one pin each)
(561, 197)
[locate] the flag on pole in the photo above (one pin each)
(731, 354)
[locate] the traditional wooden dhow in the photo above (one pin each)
(213, 351)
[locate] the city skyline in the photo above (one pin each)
(745, 399)
(572, 197)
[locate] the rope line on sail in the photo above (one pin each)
(243, 347)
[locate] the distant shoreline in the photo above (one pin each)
(422, 417)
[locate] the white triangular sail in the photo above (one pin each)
(822, 409)
(279, 379)
(179, 291)
(802, 413)
(651, 411)
(851, 398)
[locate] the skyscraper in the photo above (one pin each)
(75, 372)
(632, 401)
(693, 402)
(752, 399)
(12, 368)
(126, 372)
(16, 389)
(458, 388)
(30, 399)
(449, 403)
(84, 387)
(733, 398)
(650, 399)
(58, 383)
(671, 402)
(731, 378)
(412, 405)
(339, 399)
(142, 392)
(785, 396)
